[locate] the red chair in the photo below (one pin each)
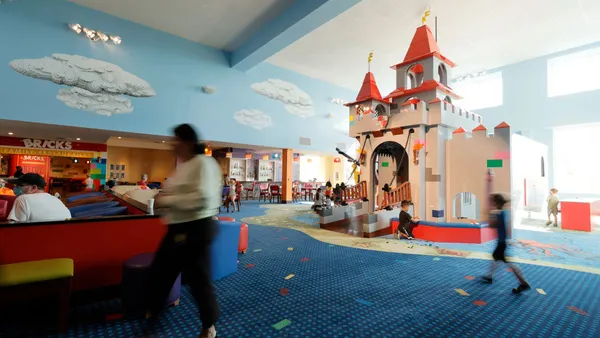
(264, 191)
(275, 193)
(9, 204)
(238, 195)
(250, 191)
(308, 192)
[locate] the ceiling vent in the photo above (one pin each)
(305, 141)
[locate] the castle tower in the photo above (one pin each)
(369, 111)
(425, 73)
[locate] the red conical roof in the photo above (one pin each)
(480, 127)
(423, 45)
(460, 130)
(369, 89)
(502, 125)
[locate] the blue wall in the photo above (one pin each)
(175, 68)
(528, 108)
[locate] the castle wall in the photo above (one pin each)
(415, 173)
(529, 175)
(467, 161)
(435, 173)
(368, 122)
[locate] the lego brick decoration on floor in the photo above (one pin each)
(335, 277)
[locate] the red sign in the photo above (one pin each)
(51, 144)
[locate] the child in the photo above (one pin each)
(232, 195)
(319, 200)
(407, 222)
(498, 221)
(553, 206)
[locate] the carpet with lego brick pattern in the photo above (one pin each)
(291, 285)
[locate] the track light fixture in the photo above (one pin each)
(94, 35)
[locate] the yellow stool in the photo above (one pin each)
(31, 280)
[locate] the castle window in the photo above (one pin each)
(380, 110)
(414, 76)
(443, 74)
(448, 99)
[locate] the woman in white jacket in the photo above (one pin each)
(192, 196)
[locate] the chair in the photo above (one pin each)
(135, 271)
(264, 191)
(275, 192)
(250, 190)
(295, 193)
(238, 196)
(224, 196)
(38, 279)
(10, 200)
(308, 192)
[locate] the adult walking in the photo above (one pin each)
(191, 197)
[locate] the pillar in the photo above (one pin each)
(286, 176)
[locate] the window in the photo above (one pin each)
(575, 165)
(574, 73)
(481, 92)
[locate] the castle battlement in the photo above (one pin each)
(480, 132)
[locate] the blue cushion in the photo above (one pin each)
(225, 250)
(91, 206)
(82, 196)
(448, 224)
(102, 212)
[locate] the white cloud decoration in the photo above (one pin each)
(253, 118)
(296, 101)
(99, 103)
(343, 126)
(101, 83)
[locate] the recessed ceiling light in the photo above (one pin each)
(78, 139)
(119, 137)
(10, 133)
(163, 141)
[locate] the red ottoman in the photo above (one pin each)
(243, 243)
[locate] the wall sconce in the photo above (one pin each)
(94, 35)
(207, 151)
(265, 157)
(229, 154)
(248, 156)
(419, 144)
(337, 160)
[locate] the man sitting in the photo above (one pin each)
(33, 204)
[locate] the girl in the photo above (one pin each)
(192, 198)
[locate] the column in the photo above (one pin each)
(286, 176)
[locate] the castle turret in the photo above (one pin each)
(370, 111)
(424, 73)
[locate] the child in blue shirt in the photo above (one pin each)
(498, 221)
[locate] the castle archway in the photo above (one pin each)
(389, 164)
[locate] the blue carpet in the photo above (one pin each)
(346, 292)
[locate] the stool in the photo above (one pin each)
(37, 279)
(135, 271)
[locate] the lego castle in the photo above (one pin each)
(425, 147)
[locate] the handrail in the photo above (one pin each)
(396, 196)
(354, 193)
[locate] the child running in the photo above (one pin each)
(407, 222)
(498, 221)
(553, 206)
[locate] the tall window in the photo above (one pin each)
(575, 164)
(574, 73)
(481, 92)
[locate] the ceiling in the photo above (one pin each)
(475, 34)
(21, 129)
(222, 24)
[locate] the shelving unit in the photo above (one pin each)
(266, 170)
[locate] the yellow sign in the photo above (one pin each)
(46, 152)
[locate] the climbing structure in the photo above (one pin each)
(423, 146)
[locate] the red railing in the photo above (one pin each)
(396, 196)
(354, 193)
